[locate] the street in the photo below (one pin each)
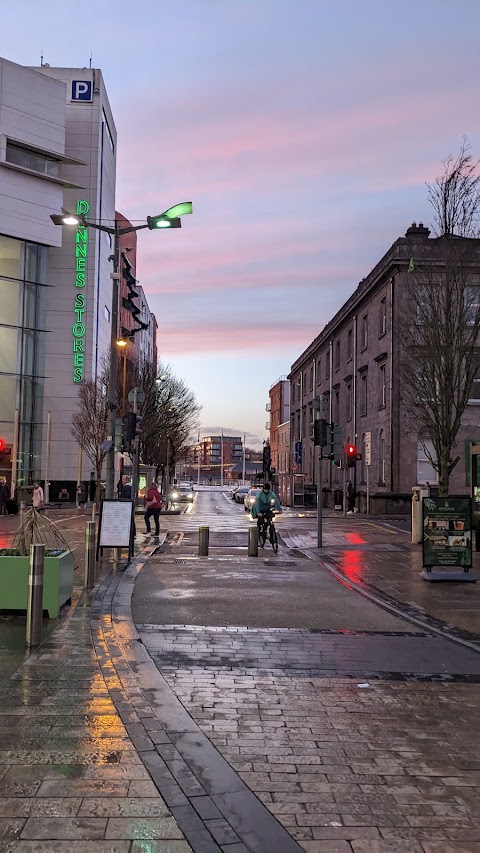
(300, 701)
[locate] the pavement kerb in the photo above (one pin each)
(190, 773)
(395, 607)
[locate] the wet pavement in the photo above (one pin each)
(258, 704)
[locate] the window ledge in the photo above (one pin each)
(41, 176)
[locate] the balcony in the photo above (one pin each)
(267, 426)
(267, 407)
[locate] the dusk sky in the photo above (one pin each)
(303, 132)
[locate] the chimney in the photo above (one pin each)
(417, 230)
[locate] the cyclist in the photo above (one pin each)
(265, 502)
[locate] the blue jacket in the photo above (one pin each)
(265, 501)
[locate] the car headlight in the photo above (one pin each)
(175, 495)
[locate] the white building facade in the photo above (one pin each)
(57, 151)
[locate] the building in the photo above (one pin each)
(79, 297)
(33, 179)
(279, 408)
(354, 364)
(213, 456)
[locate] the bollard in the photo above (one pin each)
(89, 570)
(253, 541)
(94, 507)
(22, 508)
(35, 595)
(203, 537)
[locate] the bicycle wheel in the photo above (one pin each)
(273, 538)
(262, 536)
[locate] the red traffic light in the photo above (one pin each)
(351, 450)
(2, 444)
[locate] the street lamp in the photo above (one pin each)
(168, 219)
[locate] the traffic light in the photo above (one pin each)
(2, 445)
(130, 422)
(351, 454)
(138, 425)
(267, 457)
(320, 432)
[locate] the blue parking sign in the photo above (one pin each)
(82, 90)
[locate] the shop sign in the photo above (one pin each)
(78, 328)
(447, 531)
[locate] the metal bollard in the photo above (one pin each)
(89, 571)
(203, 538)
(35, 595)
(253, 541)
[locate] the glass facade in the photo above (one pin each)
(23, 279)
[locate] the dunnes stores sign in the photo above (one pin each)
(78, 329)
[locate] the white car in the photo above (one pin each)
(182, 492)
(250, 499)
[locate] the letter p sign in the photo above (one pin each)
(82, 90)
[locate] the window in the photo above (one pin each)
(474, 396)
(382, 387)
(363, 394)
(381, 458)
(337, 355)
(293, 386)
(107, 313)
(426, 473)
(349, 345)
(28, 159)
(364, 332)
(336, 406)
(327, 366)
(382, 325)
(310, 384)
(472, 304)
(349, 401)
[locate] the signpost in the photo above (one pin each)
(115, 524)
(368, 462)
(447, 538)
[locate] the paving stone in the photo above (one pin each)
(146, 828)
(53, 828)
(123, 807)
(83, 846)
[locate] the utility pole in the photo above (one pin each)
(112, 391)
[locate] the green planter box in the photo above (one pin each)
(57, 582)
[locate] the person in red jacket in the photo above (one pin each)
(153, 504)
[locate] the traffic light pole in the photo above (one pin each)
(319, 500)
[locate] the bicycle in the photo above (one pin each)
(267, 528)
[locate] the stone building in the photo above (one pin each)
(354, 363)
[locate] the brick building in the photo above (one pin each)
(355, 364)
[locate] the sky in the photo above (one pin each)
(303, 131)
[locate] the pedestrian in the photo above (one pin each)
(37, 497)
(351, 496)
(126, 493)
(81, 494)
(4, 496)
(153, 504)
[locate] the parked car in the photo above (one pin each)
(182, 492)
(250, 498)
(241, 493)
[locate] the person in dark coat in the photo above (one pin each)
(351, 495)
(4, 496)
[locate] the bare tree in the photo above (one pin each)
(169, 415)
(441, 321)
(90, 423)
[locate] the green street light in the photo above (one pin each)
(170, 216)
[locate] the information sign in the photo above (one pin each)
(447, 531)
(115, 524)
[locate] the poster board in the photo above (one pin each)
(115, 524)
(447, 531)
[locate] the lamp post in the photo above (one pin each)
(168, 219)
